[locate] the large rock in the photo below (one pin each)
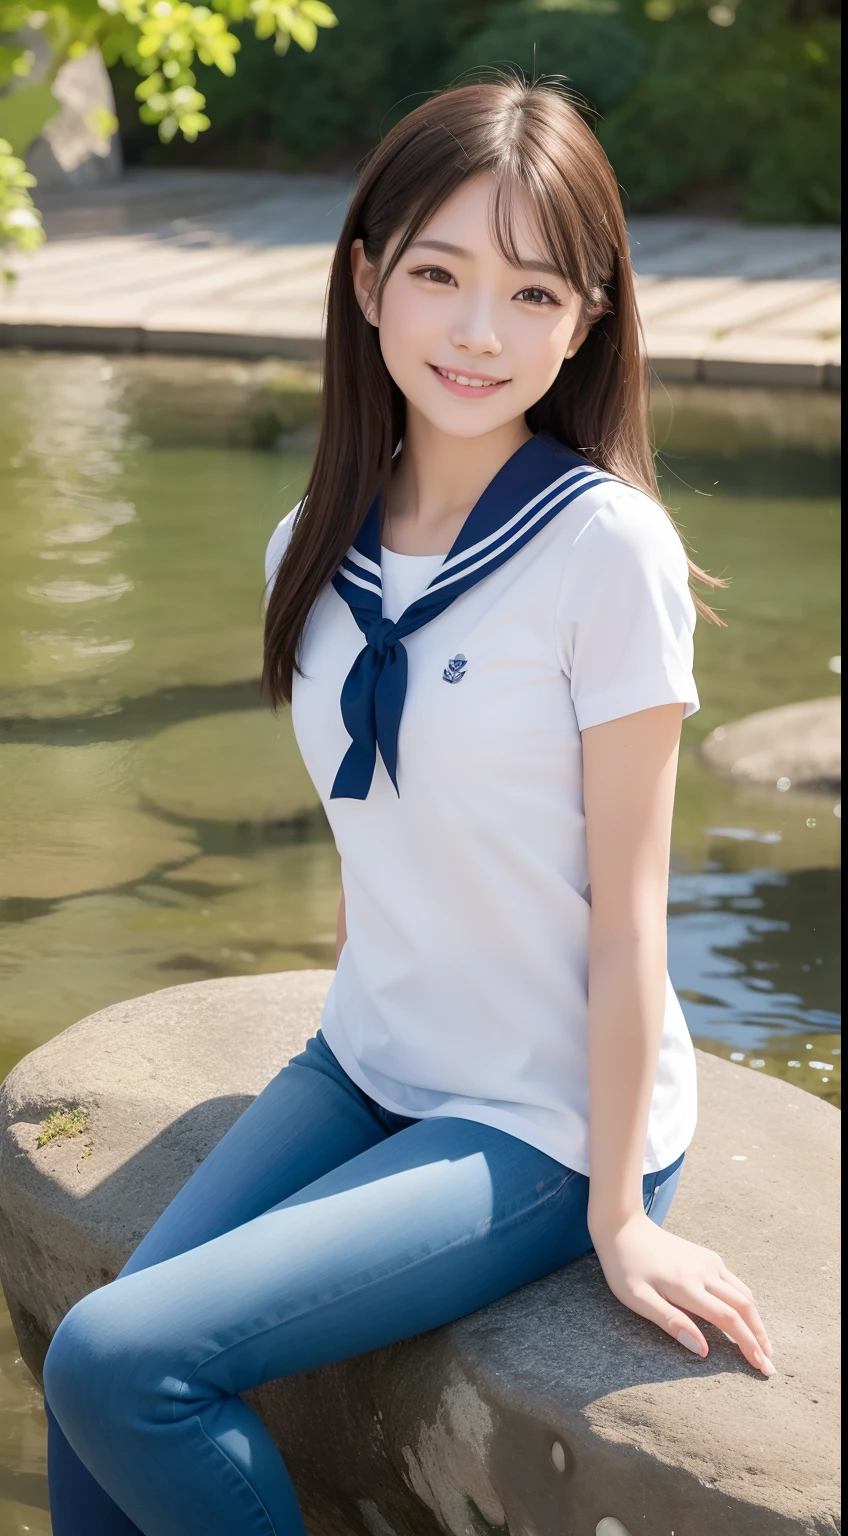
(76, 147)
(798, 746)
(553, 1413)
(195, 770)
(75, 829)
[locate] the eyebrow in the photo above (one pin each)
(459, 250)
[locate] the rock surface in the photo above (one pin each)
(554, 1412)
(798, 746)
(90, 835)
(195, 769)
(76, 149)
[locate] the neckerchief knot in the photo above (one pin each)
(530, 489)
(382, 635)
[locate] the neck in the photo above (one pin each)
(438, 479)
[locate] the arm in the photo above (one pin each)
(630, 766)
(341, 928)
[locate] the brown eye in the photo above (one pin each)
(433, 274)
(537, 296)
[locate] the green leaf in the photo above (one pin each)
(237, 10)
(317, 11)
(79, 10)
(13, 16)
(222, 58)
(24, 113)
(13, 61)
(20, 222)
(149, 87)
(102, 122)
(192, 124)
(303, 31)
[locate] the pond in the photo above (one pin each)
(136, 504)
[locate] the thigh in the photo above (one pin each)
(309, 1118)
(418, 1230)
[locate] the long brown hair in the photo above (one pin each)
(528, 136)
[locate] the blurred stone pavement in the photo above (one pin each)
(233, 263)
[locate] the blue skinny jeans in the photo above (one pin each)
(319, 1227)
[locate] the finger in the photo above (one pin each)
(677, 1324)
(731, 1279)
(745, 1306)
(724, 1315)
(734, 1281)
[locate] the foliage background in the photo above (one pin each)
(161, 42)
(719, 105)
(733, 105)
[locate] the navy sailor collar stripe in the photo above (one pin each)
(538, 480)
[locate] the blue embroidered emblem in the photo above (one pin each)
(455, 670)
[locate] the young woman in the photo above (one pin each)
(482, 617)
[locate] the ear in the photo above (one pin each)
(582, 329)
(364, 275)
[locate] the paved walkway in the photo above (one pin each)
(235, 263)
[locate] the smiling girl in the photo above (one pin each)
(482, 617)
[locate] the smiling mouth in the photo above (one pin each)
(477, 381)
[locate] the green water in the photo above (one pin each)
(158, 828)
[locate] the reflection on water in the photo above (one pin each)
(754, 955)
(763, 941)
(158, 826)
(23, 1483)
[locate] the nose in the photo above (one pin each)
(474, 329)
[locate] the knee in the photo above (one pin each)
(79, 1366)
(109, 1371)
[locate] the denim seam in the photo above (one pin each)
(514, 1220)
(272, 1528)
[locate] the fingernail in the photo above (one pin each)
(689, 1341)
(766, 1366)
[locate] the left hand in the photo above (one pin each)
(667, 1279)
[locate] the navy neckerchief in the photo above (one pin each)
(540, 478)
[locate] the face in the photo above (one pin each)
(472, 341)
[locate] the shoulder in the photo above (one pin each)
(277, 546)
(618, 525)
(625, 617)
(624, 566)
(618, 539)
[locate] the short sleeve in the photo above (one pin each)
(625, 615)
(277, 546)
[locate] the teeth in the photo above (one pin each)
(461, 378)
